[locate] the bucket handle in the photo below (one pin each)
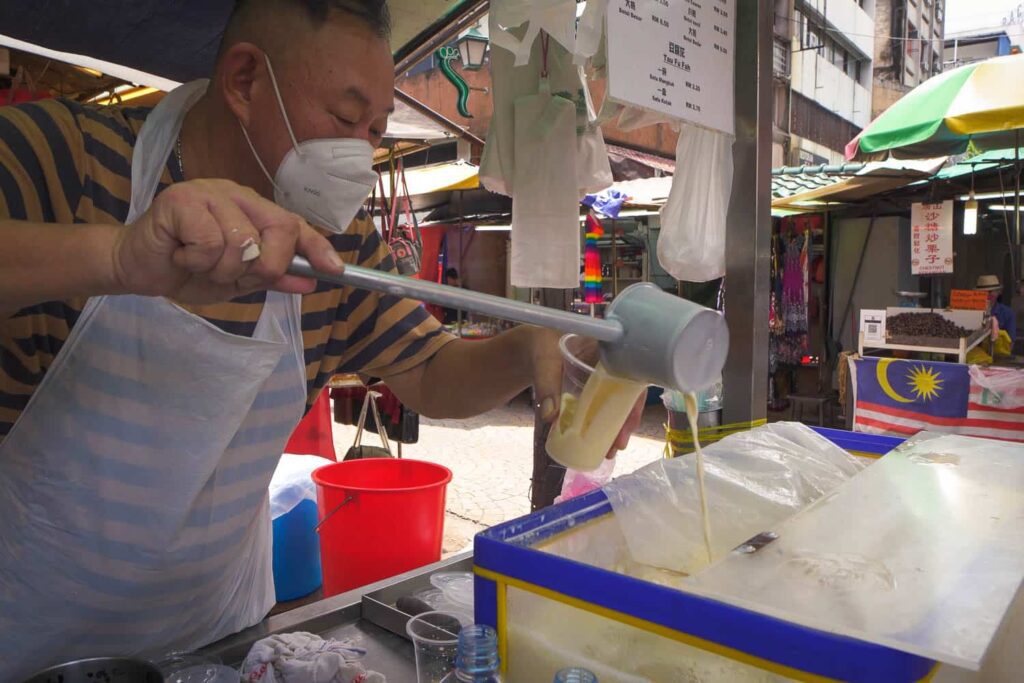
(348, 499)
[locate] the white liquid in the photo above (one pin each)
(588, 424)
(691, 416)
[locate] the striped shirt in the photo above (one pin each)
(62, 162)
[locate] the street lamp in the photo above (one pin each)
(472, 49)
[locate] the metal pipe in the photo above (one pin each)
(461, 299)
(856, 278)
(439, 33)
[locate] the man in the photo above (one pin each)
(1003, 314)
(139, 436)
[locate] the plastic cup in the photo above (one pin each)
(193, 667)
(590, 417)
(434, 644)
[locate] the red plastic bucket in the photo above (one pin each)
(378, 517)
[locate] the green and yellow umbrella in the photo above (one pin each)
(975, 107)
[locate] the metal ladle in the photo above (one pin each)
(647, 335)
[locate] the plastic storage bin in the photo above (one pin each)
(550, 609)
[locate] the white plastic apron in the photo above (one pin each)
(133, 488)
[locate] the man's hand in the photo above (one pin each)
(189, 245)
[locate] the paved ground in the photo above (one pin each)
(491, 459)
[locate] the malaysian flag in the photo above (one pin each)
(903, 397)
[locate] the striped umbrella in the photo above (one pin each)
(975, 107)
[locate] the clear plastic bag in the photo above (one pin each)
(293, 482)
(1003, 387)
(577, 483)
(753, 481)
(691, 245)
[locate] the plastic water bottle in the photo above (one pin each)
(575, 675)
(476, 659)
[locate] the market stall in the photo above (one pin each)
(658, 577)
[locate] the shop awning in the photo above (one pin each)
(452, 175)
(175, 40)
(808, 187)
(629, 164)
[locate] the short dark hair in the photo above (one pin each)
(451, 272)
(374, 13)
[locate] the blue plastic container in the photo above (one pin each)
(296, 553)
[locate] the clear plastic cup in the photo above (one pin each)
(435, 644)
(193, 667)
(591, 414)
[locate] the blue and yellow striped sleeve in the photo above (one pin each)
(41, 162)
(387, 334)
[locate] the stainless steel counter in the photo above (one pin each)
(366, 616)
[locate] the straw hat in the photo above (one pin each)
(988, 283)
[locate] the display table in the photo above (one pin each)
(960, 350)
(912, 337)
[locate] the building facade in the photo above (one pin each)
(975, 48)
(909, 44)
(832, 63)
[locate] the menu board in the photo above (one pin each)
(674, 57)
(931, 234)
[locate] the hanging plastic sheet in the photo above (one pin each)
(691, 246)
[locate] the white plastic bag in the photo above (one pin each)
(545, 209)
(1002, 386)
(593, 168)
(510, 81)
(691, 245)
(293, 483)
(753, 481)
(557, 18)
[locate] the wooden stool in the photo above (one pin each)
(805, 402)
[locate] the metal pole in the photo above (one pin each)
(475, 302)
(1016, 192)
(748, 238)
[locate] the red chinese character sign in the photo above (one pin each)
(931, 238)
(674, 57)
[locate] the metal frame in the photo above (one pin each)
(748, 238)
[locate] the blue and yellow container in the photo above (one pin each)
(551, 611)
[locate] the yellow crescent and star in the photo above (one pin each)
(926, 383)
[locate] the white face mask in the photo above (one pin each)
(323, 180)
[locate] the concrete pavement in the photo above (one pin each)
(490, 457)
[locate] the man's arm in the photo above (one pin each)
(188, 246)
(466, 378)
(48, 262)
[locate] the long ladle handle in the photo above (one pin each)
(462, 299)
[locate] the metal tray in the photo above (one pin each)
(367, 616)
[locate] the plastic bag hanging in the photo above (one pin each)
(545, 206)
(509, 82)
(691, 245)
(557, 18)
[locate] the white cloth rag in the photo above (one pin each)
(306, 658)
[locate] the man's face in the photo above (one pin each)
(338, 84)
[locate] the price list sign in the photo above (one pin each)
(931, 247)
(674, 57)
